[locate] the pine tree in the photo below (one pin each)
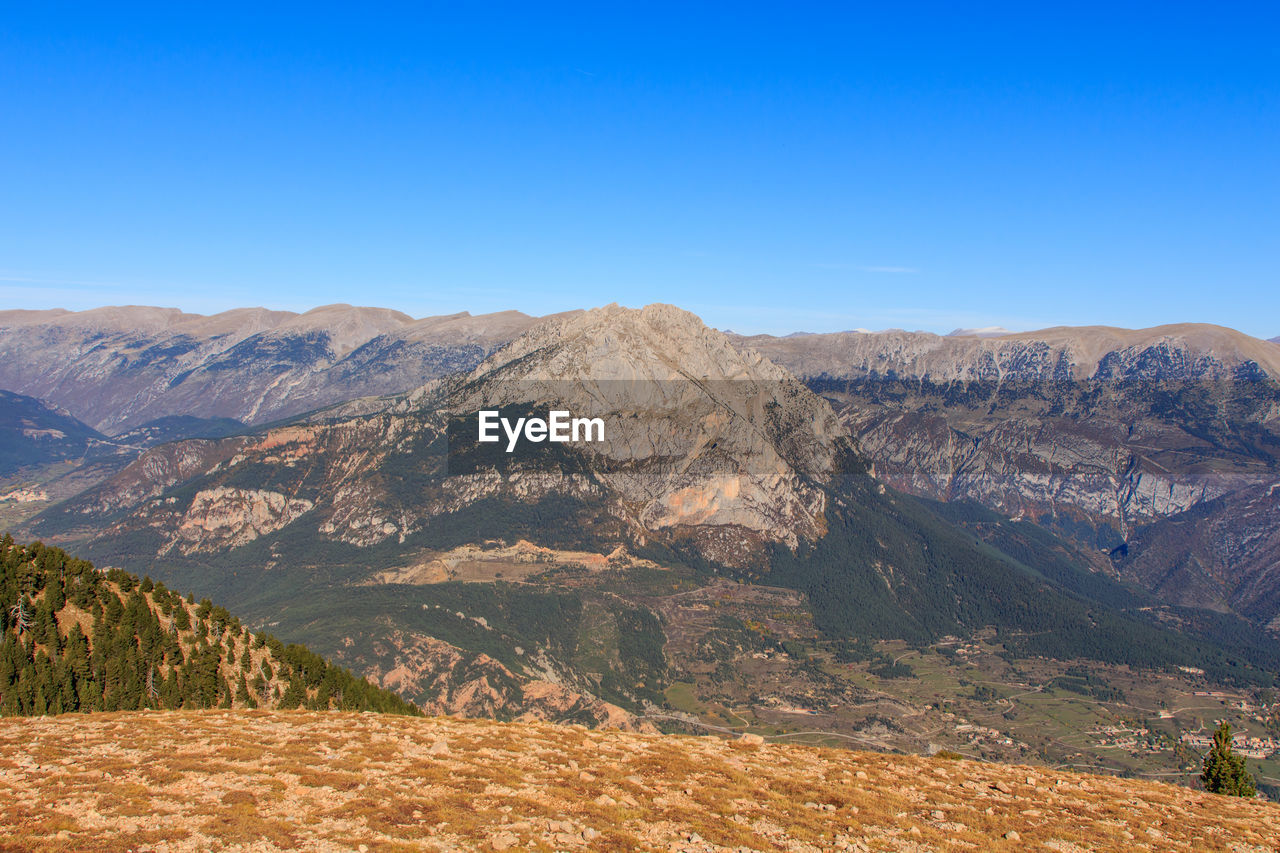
(77, 652)
(67, 699)
(294, 695)
(45, 626)
(56, 594)
(1224, 771)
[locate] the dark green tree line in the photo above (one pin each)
(73, 638)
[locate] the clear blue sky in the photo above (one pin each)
(770, 169)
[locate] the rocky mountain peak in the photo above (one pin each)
(655, 366)
(698, 433)
(698, 440)
(655, 343)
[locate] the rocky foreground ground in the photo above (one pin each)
(328, 781)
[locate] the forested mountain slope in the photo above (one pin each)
(77, 639)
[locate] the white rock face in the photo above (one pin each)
(1033, 466)
(225, 517)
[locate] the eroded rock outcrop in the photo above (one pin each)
(446, 680)
(228, 517)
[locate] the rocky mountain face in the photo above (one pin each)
(118, 368)
(700, 439)
(1096, 432)
(405, 530)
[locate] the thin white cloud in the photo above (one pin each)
(872, 269)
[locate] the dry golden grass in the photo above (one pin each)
(241, 780)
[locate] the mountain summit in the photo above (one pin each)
(697, 433)
(701, 440)
(658, 342)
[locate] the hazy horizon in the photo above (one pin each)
(981, 331)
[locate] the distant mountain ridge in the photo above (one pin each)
(1115, 438)
(117, 368)
(1184, 351)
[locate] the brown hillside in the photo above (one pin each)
(331, 781)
